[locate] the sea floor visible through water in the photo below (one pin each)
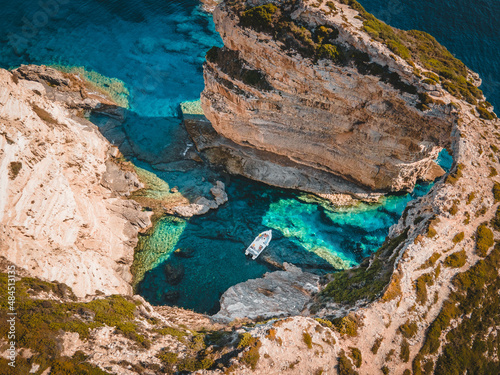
(157, 48)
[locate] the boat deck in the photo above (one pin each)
(259, 244)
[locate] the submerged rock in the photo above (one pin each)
(280, 293)
(174, 274)
(184, 253)
(171, 297)
(202, 205)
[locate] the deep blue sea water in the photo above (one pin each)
(157, 49)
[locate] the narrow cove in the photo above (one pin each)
(161, 72)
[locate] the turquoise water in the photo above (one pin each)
(157, 49)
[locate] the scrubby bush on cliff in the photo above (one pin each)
(484, 240)
(495, 221)
(470, 346)
(376, 345)
(328, 51)
(345, 365)
(368, 280)
(259, 17)
(14, 169)
(356, 357)
(496, 192)
(485, 114)
(409, 329)
(456, 260)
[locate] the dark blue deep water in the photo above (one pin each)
(156, 48)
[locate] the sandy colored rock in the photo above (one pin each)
(62, 214)
(327, 128)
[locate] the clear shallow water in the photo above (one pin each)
(156, 48)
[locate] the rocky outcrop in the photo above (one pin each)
(202, 205)
(277, 294)
(305, 122)
(63, 215)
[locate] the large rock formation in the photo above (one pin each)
(286, 114)
(279, 293)
(63, 215)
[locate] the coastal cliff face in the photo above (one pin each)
(63, 210)
(305, 89)
(426, 302)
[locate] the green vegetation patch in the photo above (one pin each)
(421, 286)
(420, 47)
(345, 365)
(356, 357)
(39, 322)
(409, 329)
(496, 191)
(431, 261)
(306, 337)
(14, 169)
(404, 354)
(348, 325)
(456, 260)
(485, 114)
(458, 237)
(471, 347)
(452, 178)
(484, 240)
(366, 281)
(376, 345)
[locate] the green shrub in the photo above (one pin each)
(453, 209)
(485, 114)
(458, 237)
(496, 192)
(471, 197)
(453, 177)
(376, 345)
(484, 240)
(331, 5)
(167, 357)
(346, 326)
(251, 356)
(495, 221)
(421, 287)
(404, 355)
(409, 329)
(14, 169)
(385, 370)
(456, 260)
(306, 337)
(366, 281)
(493, 172)
(328, 51)
(259, 17)
(345, 365)
(356, 357)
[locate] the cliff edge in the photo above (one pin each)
(323, 97)
(64, 214)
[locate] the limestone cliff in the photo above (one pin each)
(63, 211)
(304, 97)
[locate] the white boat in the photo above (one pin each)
(259, 244)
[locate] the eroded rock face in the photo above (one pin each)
(63, 215)
(332, 127)
(280, 293)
